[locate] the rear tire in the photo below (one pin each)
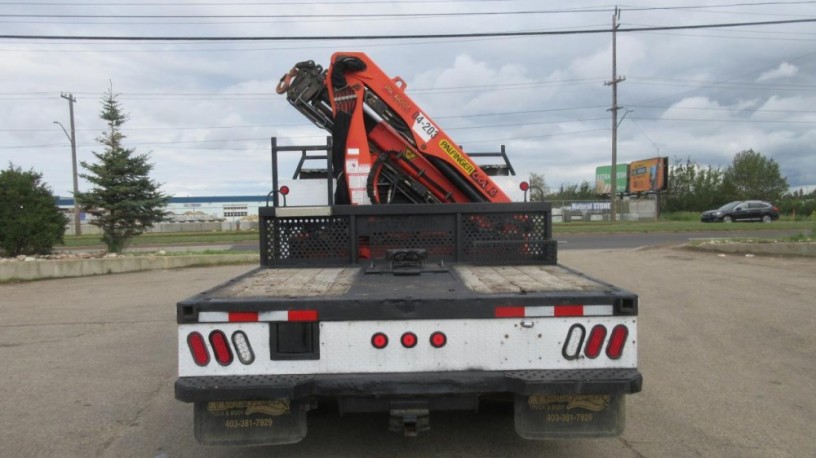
(728, 219)
(766, 218)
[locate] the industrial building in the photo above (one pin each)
(198, 209)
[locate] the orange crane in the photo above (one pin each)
(386, 149)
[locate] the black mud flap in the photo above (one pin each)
(262, 422)
(559, 416)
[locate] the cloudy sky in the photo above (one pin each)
(205, 110)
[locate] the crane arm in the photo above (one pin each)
(386, 148)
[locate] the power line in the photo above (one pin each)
(748, 121)
(289, 3)
(216, 148)
(645, 135)
(368, 45)
(178, 144)
(716, 83)
(38, 95)
(731, 37)
(298, 16)
(757, 32)
(256, 139)
(286, 3)
(729, 5)
(264, 95)
(401, 37)
(663, 107)
(232, 49)
(730, 84)
(481, 126)
(173, 128)
(455, 128)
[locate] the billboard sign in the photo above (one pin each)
(649, 175)
(603, 179)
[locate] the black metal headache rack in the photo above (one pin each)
(512, 233)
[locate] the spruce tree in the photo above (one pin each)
(124, 199)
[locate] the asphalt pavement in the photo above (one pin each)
(643, 239)
(591, 241)
(726, 350)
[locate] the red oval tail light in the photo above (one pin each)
(221, 348)
(198, 348)
(617, 339)
(595, 341)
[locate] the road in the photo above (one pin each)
(621, 240)
(726, 349)
(642, 239)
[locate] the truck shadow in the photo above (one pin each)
(490, 433)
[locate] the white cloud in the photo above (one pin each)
(686, 89)
(785, 70)
(630, 52)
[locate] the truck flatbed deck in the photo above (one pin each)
(353, 281)
(444, 291)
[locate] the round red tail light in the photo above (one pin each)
(595, 341)
(409, 340)
(379, 340)
(221, 348)
(438, 339)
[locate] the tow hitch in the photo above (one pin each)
(409, 421)
(409, 417)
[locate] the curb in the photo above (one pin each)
(807, 249)
(63, 268)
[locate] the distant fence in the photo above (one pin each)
(223, 226)
(601, 210)
(563, 211)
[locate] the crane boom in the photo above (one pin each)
(386, 149)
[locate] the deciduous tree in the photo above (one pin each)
(753, 176)
(31, 221)
(693, 187)
(538, 187)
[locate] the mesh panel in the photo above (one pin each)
(507, 238)
(366, 232)
(435, 233)
(293, 240)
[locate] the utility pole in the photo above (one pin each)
(71, 99)
(614, 83)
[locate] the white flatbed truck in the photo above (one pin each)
(407, 309)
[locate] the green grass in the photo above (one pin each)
(204, 252)
(168, 238)
(801, 237)
(675, 223)
(675, 226)
(681, 216)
